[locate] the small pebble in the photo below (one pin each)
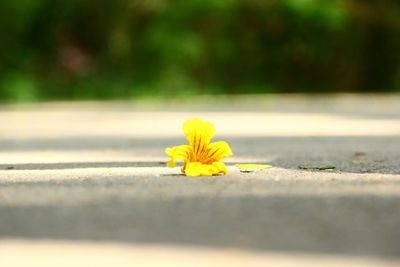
(360, 154)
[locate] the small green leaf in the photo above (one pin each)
(320, 168)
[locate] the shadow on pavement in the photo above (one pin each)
(351, 225)
(363, 224)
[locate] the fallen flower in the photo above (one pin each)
(200, 157)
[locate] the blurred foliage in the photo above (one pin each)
(101, 49)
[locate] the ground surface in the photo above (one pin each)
(79, 173)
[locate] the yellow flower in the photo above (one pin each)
(201, 158)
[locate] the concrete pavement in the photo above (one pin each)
(94, 172)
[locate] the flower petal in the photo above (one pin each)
(253, 166)
(178, 153)
(199, 169)
(220, 168)
(217, 151)
(199, 134)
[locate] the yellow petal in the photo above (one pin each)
(199, 169)
(196, 169)
(252, 166)
(199, 134)
(218, 151)
(220, 168)
(178, 153)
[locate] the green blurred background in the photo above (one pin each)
(121, 49)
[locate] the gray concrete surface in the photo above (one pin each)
(95, 172)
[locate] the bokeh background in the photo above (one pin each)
(122, 49)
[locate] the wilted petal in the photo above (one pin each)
(253, 166)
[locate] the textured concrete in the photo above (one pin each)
(95, 172)
(47, 253)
